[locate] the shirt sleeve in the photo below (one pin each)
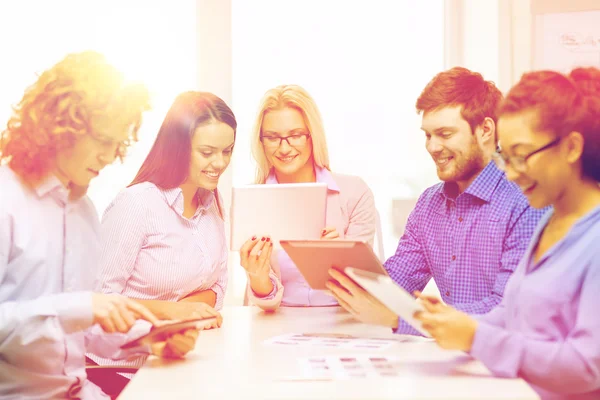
(408, 266)
(6, 234)
(272, 301)
(122, 236)
(108, 345)
(515, 244)
(363, 218)
(495, 317)
(25, 324)
(220, 286)
(574, 360)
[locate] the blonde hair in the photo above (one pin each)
(289, 96)
(65, 103)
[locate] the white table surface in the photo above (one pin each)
(233, 363)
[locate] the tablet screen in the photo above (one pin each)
(390, 294)
(160, 333)
(281, 211)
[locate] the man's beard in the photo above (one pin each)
(468, 166)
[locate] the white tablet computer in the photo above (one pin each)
(389, 293)
(282, 211)
(313, 258)
(159, 333)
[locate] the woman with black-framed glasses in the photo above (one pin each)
(288, 144)
(547, 328)
(519, 162)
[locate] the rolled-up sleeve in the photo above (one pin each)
(24, 324)
(220, 286)
(272, 301)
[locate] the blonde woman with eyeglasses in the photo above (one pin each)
(289, 146)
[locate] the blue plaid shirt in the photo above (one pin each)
(470, 244)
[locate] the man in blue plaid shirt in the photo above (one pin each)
(468, 232)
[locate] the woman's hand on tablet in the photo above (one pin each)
(255, 255)
(451, 329)
(203, 310)
(183, 310)
(330, 233)
(116, 313)
(177, 345)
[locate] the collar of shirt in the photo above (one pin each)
(174, 199)
(482, 187)
(323, 175)
(579, 229)
(52, 186)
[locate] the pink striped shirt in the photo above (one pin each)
(351, 210)
(150, 251)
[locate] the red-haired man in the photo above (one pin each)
(468, 232)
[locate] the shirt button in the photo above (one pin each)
(460, 219)
(453, 258)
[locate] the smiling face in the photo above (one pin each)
(212, 146)
(453, 146)
(287, 159)
(548, 172)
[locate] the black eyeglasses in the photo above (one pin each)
(296, 140)
(519, 163)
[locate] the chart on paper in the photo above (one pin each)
(340, 341)
(347, 367)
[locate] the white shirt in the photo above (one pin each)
(48, 253)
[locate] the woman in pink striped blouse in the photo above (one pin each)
(288, 144)
(163, 237)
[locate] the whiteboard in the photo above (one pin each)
(564, 41)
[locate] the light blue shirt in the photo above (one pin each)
(48, 253)
(547, 328)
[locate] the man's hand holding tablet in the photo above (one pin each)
(358, 302)
(376, 298)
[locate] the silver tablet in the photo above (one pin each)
(160, 333)
(282, 211)
(389, 293)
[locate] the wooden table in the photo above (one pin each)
(233, 363)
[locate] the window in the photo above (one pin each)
(365, 63)
(152, 42)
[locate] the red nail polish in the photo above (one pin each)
(323, 232)
(268, 239)
(263, 239)
(253, 237)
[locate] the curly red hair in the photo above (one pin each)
(66, 102)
